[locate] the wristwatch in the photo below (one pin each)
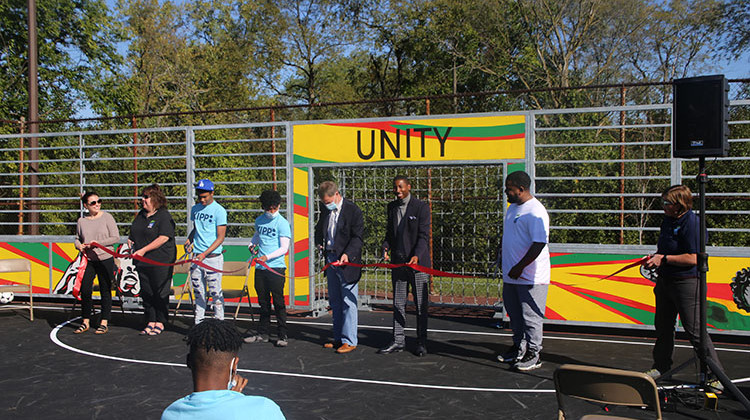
(664, 259)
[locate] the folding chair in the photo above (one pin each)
(603, 387)
(239, 293)
(18, 265)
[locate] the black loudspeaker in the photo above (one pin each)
(700, 117)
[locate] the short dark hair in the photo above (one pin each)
(85, 197)
(327, 189)
(401, 178)
(210, 337)
(158, 199)
(270, 198)
(520, 179)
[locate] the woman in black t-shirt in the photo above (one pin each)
(152, 237)
(677, 287)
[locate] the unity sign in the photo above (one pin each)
(474, 139)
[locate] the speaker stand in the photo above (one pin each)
(706, 361)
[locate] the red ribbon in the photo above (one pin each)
(641, 261)
(161, 264)
(416, 267)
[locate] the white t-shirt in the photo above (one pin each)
(525, 224)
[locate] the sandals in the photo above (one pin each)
(102, 329)
(156, 331)
(147, 330)
(82, 329)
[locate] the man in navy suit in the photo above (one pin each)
(407, 240)
(339, 234)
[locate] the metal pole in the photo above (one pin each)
(33, 116)
(20, 178)
(273, 148)
(622, 166)
(136, 201)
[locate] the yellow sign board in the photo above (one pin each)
(411, 140)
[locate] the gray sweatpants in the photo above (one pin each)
(525, 305)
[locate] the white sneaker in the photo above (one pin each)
(529, 361)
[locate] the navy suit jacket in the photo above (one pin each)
(349, 236)
(413, 236)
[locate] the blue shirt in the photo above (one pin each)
(207, 219)
(270, 231)
(222, 404)
(679, 236)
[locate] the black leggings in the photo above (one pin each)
(105, 272)
(156, 283)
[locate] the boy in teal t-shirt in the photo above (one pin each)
(272, 237)
(204, 241)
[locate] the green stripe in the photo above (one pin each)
(480, 132)
(300, 200)
(303, 159)
(589, 258)
(645, 317)
(302, 254)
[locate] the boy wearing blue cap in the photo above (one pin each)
(209, 229)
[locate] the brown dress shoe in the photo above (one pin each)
(345, 348)
(332, 345)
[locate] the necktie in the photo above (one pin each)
(332, 218)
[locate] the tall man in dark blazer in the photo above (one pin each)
(407, 240)
(339, 234)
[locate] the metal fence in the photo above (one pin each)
(599, 172)
(242, 160)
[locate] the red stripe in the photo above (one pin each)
(629, 280)
(416, 267)
(301, 245)
(57, 250)
(5, 246)
(596, 263)
(580, 292)
(550, 314)
(299, 210)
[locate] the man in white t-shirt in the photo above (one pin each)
(526, 271)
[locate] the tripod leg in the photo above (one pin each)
(728, 384)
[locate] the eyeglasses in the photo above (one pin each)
(92, 203)
(145, 197)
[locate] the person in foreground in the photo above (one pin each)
(214, 346)
(677, 286)
(339, 234)
(526, 271)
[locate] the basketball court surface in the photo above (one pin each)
(50, 373)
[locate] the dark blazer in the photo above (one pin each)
(349, 236)
(414, 234)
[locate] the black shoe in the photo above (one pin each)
(421, 350)
(392, 348)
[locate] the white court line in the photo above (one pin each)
(53, 337)
(56, 340)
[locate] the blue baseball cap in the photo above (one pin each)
(205, 185)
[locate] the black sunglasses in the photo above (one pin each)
(99, 201)
(146, 197)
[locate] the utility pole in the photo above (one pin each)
(33, 118)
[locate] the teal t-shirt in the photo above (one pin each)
(206, 219)
(270, 231)
(221, 404)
